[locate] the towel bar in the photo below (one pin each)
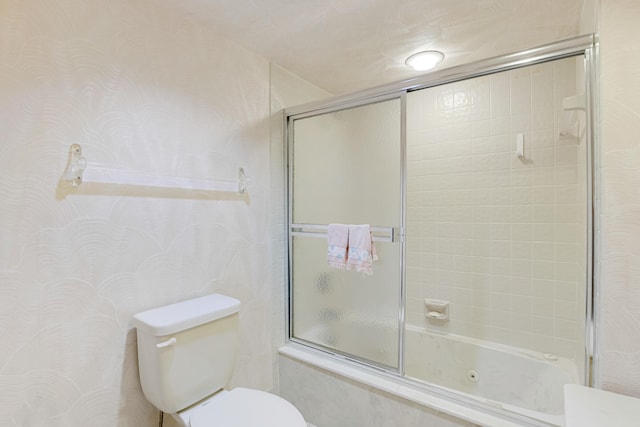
(380, 234)
(77, 172)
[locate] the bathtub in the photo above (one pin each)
(522, 382)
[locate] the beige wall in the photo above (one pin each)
(619, 189)
(145, 91)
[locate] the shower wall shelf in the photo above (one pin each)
(380, 234)
(577, 102)
(78, 171)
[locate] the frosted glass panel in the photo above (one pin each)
(346, 166)
(346, 311)
(347, 169)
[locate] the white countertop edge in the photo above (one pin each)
(397, 388)
(590, 407)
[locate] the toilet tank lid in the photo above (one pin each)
(185, 314)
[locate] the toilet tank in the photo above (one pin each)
(187, 350)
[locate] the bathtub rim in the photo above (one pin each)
(561, 362)
(481, 412)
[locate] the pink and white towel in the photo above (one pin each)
(351, 247)
(338, 242)
(361, 250)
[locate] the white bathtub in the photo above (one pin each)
(521, 381)
(516, 378)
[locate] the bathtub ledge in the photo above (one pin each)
(386, 383)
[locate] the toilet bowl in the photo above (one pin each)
(186, 355)
(243, 407)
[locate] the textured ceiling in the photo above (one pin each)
(346, 45)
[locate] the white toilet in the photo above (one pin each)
(186, 355)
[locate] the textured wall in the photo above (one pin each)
(619, 276)
(144, 91)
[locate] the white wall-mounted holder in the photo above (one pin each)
(577, 102)
(436, 309)
(570, 128)
(79, 171)
(520, 146)
(76, 164)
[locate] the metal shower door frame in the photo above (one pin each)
(396, 235)
(585, 46)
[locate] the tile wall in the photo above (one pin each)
(495, 235)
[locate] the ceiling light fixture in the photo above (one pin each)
(425, 60)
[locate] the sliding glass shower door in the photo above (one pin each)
(346, 167)
(479, 185)
(497, 236)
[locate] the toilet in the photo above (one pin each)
(186, 355)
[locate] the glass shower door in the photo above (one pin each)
(345, 167)
(496, 239)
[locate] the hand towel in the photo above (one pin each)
(362, 251)
(337, 241)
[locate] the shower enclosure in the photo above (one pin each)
(477, 183)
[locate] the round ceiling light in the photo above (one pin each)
(425, 60)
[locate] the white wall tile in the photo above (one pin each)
(566, 310)
(566, 329)
(542, 325)
(520, 86)
(521, 214)
(542, 96)
(544, 306)
(500, 96)
(544, 232)
(521, 286)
